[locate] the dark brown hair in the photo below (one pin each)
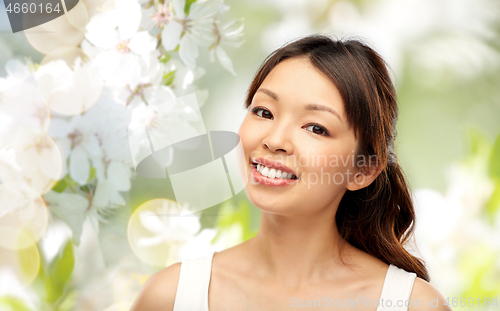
(378, 219)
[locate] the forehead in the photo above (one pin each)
(297, 80)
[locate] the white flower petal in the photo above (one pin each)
(211, 54)
(98, 165)
(91, 145)
(106, 38)
(204, 10)
(188, 79)
(188, 51)
(152, 70)
(158, 95)
(179, 6)
(170, 35)
(129, 18)
(50, 158)
(58, 128)
(79, 166)
(225, 60)
(119, 69)
(71, 208)
(147, 22)
(101, 30)
(142, 43)
(152, 222)
(102, 194)
(119, 175)
(116, 198)
(107, 19)
(233, 30)
(17, 69)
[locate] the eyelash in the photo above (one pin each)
(325, 131)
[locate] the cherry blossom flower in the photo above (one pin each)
(72, 208)
(96, 204)
(121, 45)
(230, 34)
(68, 91)
(189, 31)
(98, 136)
(181, 234)
(21, 99)
(96, 112)
(28, 156)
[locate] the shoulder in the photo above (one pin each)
(425, 297)
(158, 293)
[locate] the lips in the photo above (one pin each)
(274, 164)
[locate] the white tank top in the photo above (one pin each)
(192, 289)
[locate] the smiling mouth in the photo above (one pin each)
(273, 173)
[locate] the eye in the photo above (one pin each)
(262, 112)
(317, 129)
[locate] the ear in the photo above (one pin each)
(363, 177)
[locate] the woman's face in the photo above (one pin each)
(297, 119)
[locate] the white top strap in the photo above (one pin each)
(397, 290)
(192, 290)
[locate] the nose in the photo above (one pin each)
(279, 140)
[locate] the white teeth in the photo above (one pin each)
(265, 171)
(272, 173)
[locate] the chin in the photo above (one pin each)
(264, 202)
(271, 205)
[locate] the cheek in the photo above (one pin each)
(329, 168)
(249, 136)
(245, 136)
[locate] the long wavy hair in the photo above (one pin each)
(378, 219)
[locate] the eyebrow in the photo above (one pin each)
(268, 93)
(307, 107)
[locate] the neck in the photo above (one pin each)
(296, 250)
